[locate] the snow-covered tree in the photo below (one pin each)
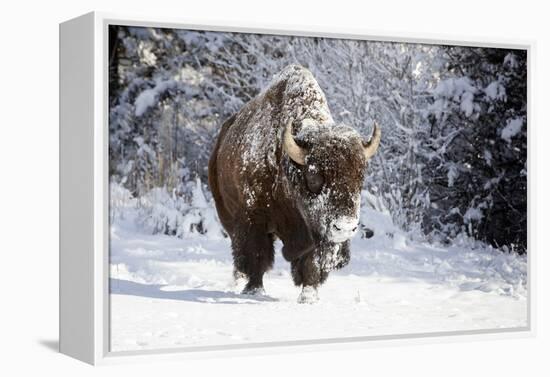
(478, 171)
(453, 155)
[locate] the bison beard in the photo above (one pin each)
(303, 189)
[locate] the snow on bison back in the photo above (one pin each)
(303, 189)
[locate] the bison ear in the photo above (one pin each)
(370, 147)
(293, 150)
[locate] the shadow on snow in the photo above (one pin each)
(129, 288)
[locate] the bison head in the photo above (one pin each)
(327, 171)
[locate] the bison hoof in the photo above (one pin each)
(308, 296)
(254, 291)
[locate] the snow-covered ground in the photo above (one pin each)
(171, 292)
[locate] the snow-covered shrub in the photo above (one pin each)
(376, 222)
(120, 199)
(374, 218)
(201, 217)
(179, 215)
(161, 212)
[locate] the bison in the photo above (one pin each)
(282, 168)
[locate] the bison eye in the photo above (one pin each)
(314, 182)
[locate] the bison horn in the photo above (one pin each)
(370, 147)
(294, 151)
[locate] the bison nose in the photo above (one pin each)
(343, 228)
(340, 229)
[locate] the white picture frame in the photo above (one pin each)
(84, 233)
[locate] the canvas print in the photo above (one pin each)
(274, 189)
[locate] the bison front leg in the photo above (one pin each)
(312, 269)
(307, 272)
(253, 255)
